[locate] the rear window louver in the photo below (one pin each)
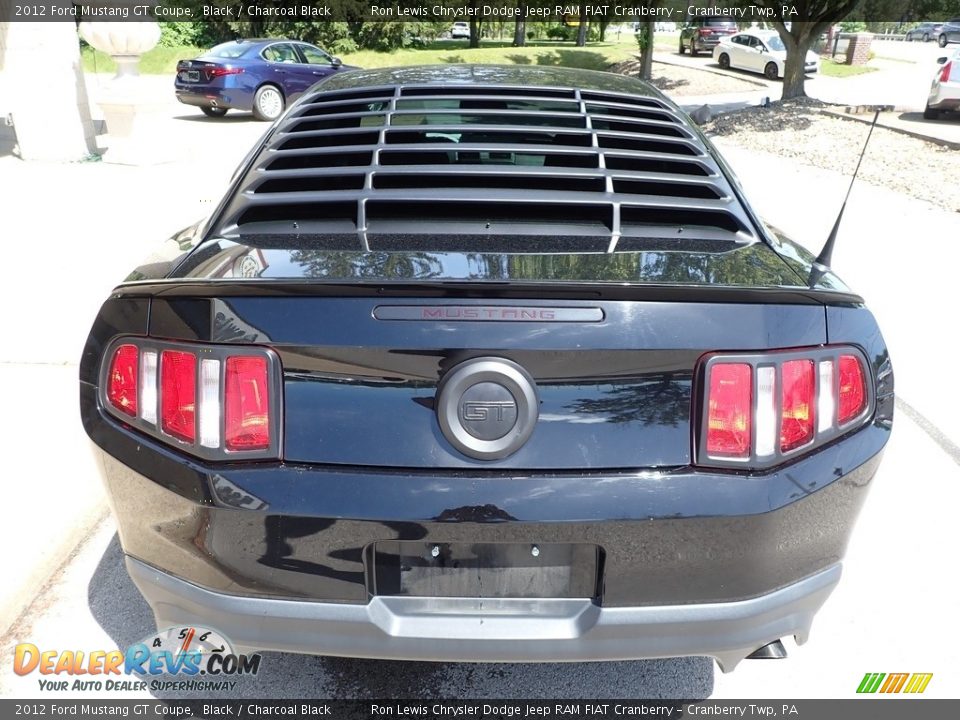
(485, 162)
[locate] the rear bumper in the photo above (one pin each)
(481, 630)
(945, 96)
(234, 99)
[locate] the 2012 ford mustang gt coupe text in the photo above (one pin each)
(492, 364)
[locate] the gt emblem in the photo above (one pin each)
(480, 410)
(487, 407)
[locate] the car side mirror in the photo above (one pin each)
(336, 62)
(941, 61)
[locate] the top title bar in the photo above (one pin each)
(676, 11)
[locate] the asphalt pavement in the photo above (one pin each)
(79, 228)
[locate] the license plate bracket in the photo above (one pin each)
(485, 570)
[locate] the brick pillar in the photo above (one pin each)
(858, 51)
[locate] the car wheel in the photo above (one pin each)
(926, 37)
(213, 111)
(694, 50)
(771, 72)
(682, 48)
(930, 113)
(724, 61)
(942, 41)
(908, 38)
(268, 103)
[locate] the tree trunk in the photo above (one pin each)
(646, 50)
(474, 32)
(582, 27)
(520, 27)
(798, 41)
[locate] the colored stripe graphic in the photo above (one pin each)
(870, 682)
(918, 682)
(894, 683)
(914, 683)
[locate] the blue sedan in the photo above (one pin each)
(257, 75)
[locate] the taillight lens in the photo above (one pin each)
(798, 397)
(730, 409)
(122, 381)
(178, 394)
(853, 389)
(945, 71)
(216, 402)
(216, 72)
(762, 408)
(247, 404)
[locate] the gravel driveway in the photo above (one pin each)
(802, 130)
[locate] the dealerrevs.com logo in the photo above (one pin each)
(199, 658)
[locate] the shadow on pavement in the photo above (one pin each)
(917, 117)
(234, 116)
(122, 612)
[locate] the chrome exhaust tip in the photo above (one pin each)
(771, 651)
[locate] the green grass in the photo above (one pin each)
(831, 68)
(596, 56)
(159, 61)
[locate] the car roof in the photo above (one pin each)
(262, 41)
(506, 75)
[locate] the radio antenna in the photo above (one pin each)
(822, 263)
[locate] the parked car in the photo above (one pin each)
(460, 31)
(262, 76)
(759, 51)
(924, 31)
(945, 90)
(949, 33)
(704, 33)
(517, 374)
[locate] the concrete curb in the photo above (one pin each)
(866, 120)
(30, 588)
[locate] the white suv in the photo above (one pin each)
(460, 30)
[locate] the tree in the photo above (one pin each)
(520, 26)
(811, 19)
(645, 42)
(582, 27)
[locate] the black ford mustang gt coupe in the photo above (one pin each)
(491, 364)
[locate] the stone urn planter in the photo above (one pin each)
(125, 42)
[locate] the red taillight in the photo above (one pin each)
(122, 382)
(178, 394)
(218, 71)
(853, 389)
(705, 31)
(730, 408)
(760, 409)
(945, 71)
(798, 400)
(218, 402)
(247, 404)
